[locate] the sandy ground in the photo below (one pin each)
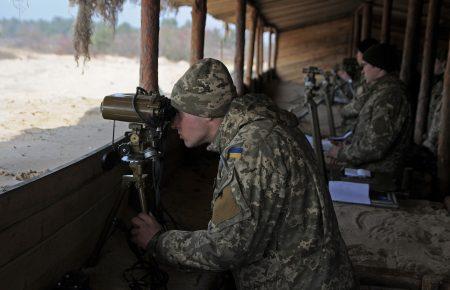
(49, 113)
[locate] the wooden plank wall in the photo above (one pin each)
(320, 45)
(50, 225)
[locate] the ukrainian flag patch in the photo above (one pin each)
(235, 152)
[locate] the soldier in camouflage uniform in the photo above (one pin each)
(273, 223)
(351, 111)
(434, 111)
(384, 127)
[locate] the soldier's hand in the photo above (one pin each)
(344, 75)
(144, 228)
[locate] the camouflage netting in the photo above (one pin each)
(107, 10)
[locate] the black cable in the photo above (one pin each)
(141, 91)
(143, 274)
(114, 129)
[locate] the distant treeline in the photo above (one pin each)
(56, 36)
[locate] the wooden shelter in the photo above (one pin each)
(59, 217)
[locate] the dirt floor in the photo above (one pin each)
(414, 238)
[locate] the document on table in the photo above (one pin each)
(349, 192)
(342, 137)
(326, 144)
(353, 172)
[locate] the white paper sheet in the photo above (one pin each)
(349, 192)
(353, 172)
(326, 144)
(342, 137)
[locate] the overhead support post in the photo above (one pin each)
(258, 48)
(443, 153)
(275, 53)
(251, 47)
(261, 47)
(240, 46)
(411, 40)
(367, 20)
(269, 55)
(199, 8)
(386, 22)
(148, 72)
(427, 69)
(356, 31)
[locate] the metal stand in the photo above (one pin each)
(329, 103)
(311, 89)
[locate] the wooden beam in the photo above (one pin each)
(261, 47)
(258, 47)
(301, 10)
(251, 47)
(335, 8)
(198, 30)
(269, 55)
(427, 69)
(443, 154)
(386, 22)
(367, 20)
(149, 44)
(411, 39)
(275, 53)
(356, 32)
(240, 46)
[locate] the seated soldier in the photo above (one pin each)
(351, 111)
(434, 112)
(383, 129)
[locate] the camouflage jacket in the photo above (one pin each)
(434, 115)
(383, 130)
(351, 111)
(273, 223)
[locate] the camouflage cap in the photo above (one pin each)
(205, 90)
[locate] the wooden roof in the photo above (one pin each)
(285, 15)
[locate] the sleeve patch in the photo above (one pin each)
(235, 152)
(225, 207)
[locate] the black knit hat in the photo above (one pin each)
(366, 44)
(383, 56)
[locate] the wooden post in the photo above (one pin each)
(240, 46)
(427, 69)
(386, 22)
(258, 48)
(356, 31)
(198, 30)
(411, 36)
(275, 53)
(251, 47)
(261, 47)
(367, 20)
(269, 56)
(443, 154)
(149, 45)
